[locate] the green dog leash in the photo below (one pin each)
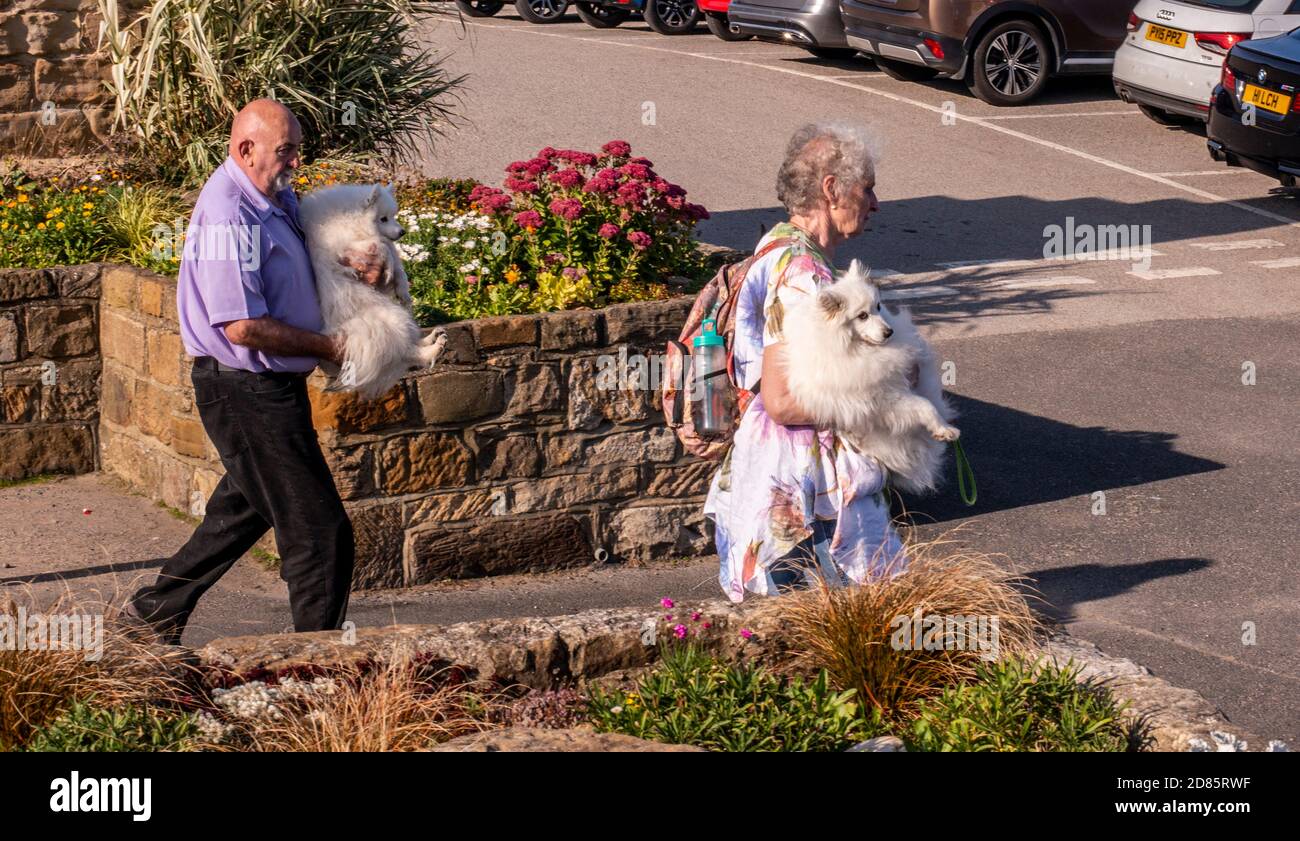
(965, 476)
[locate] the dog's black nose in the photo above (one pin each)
(401, 232)
(889, 331)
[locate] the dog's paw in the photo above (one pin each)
(946, 433)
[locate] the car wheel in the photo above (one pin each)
(601, 16)
(1167, 118)
(832, 52)
(671, 17)
(903, 71)
(1011, 64)
(480, 8)
(541, 11)
(717, 24)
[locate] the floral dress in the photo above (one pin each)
(779, 486)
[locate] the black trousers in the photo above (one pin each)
(276, 478)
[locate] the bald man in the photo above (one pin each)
(250, 317)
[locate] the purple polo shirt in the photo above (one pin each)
(244, 258)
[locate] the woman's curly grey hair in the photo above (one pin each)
(843, 149)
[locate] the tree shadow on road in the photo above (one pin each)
(1063, 588)
(1021, 459)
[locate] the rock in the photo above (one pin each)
(575, 740)
(74, 394)
(512, 457)
(79, 281)
(379, 539)
(594, 397)
(8, 337)
(570, 329)
(419, 462)
(458, 396)
(505, 331)
(62, 448)
(122, 340)
(677, 481)
(346, 413)
(55, 332)
(649, 322)
(497, 546)
(601, 484)
(880, 744)
(24, 284)
(18, 403)
(536, 389)
(655, 531)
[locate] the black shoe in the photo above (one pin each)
(130, 622)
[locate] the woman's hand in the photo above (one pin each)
(368, 265)
(779, 404)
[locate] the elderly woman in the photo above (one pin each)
(791, 502)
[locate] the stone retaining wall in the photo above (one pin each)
(49, 370)
(510, 456)
(47, 55)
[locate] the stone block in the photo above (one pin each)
(29, 450)
(505, 331)
(346, 413)
(536, 389)
(458, 396)
(122, 340)
(9, 336)
(74, 393)
(25, 284)
(420, 462)
(511, 457)
(379, 541)
(163, 355)
(571, 329)
(498, 546)
(679, 480)
(55, 332)
(603, 484)
(657, 531)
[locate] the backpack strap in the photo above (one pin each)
(779, 242)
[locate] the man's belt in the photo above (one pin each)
(208, 363)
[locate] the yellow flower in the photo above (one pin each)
(40, 225)
(512, 275)
(59, 226)
(302, 179)
(85, 213)
(22, 197)
(87, 206)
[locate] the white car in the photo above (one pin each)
(1174, 52)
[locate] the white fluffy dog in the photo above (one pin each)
(383, 340)
(850, 362)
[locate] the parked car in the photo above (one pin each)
(1004, 49)
(667, 17)
(814, 25)
(1174, 52)
(1255, 112)
(715, 18)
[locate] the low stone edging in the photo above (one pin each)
(606, 644)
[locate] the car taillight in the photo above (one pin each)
(1133, 22)
(1228, 79)
(1220, 42)
(934, 47)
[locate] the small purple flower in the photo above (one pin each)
(567, 178)
(680, 632)
(666, 602)
(746, 633)
(609, 230)
(640, 239)
(617, 148)
(695, 616)
(530, 219)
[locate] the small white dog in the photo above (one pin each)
(383, 340)
(850, 362)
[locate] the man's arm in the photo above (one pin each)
(274, 336)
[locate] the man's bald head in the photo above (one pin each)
(265, 138)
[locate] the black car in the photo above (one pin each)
(1255, 110)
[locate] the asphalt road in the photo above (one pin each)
(1073, 378)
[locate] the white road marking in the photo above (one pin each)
(976, 121)
(1110, 254)
(892, 293)
(1062, 114)
(1172, 274)
(1282, 263)
(1224, 171)
(1240, 245)
(1041, 282)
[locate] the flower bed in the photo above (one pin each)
(567, 229)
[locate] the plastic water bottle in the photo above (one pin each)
(711, 409)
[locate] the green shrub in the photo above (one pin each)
(352, 71)
(1016, 707)
(692, 699)
(137, 729)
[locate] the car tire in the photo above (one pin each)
(1168, 118)
(601, 16)
(1011, 63)
(903, 71)
(717, 24)
(480, 8)
(671, 17)
(541, 11)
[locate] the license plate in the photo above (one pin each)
(1278, 103)
(1165, 35)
